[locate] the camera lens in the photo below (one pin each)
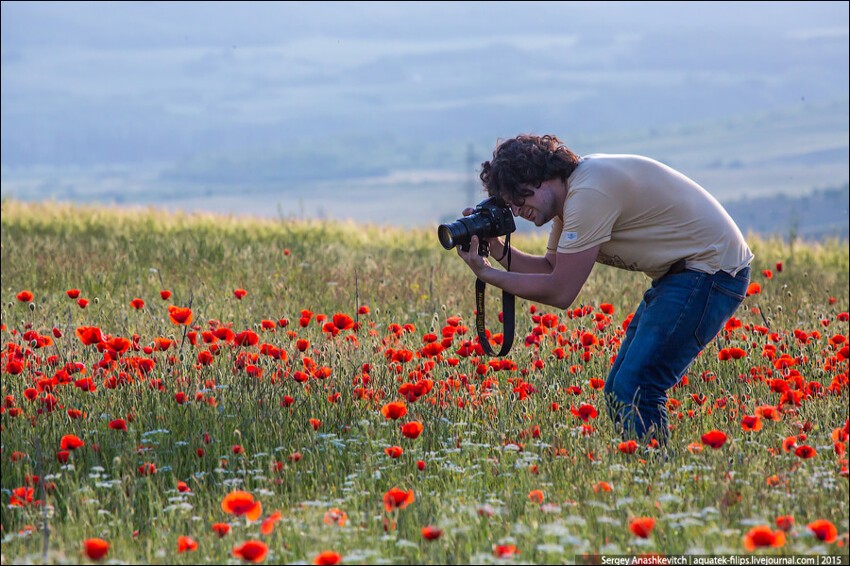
(452, 234)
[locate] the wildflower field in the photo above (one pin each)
(199, 389)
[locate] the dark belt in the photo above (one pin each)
(677, 267)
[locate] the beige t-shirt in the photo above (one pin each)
(646, 216)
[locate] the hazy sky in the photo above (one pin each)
(177, 87)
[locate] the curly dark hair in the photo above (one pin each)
(524, 161)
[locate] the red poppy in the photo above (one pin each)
(21, 496)
(536, 496)
(763, 536)
(805, 452)
(147, 469)
(241, 503)
(585, 412)
(315, 423)
(82, 303)
(16, 367)
(394, 451)
(433, 349)
(165, 294)
(397, 498)
(505, 550)
(221, 529)
(363, 309)
(118, 424)
(73, 293)
(731, 354)
(180, 315)
(714, 438)
(628, 447)
(246, 338)
(205, 357)
(596, 383)
(394, 410)
(137, 303)
(95, 548)
(185, 543)
(251, 551)
(751, 423)
(785, 522)
(119, 344)
(239, 293)
(824, 530)
(71, 442)
(788, 443)
(343, 321)
(769, 412)
(602, 486)
(431, 533)
(327, 558)
(642, 526)
(89, 335)
(24, 296)
(268, 523)
(753, 289)
(335, 516)
(412, 429)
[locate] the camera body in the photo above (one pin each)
(491, 218)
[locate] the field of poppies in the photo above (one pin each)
(204, 389)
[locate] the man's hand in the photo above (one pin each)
(477, 263)
(496, 245)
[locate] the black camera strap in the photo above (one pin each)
(508, 308)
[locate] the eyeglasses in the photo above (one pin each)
(518, 199)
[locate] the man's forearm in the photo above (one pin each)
(520, 262)
(537, 287)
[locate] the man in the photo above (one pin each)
(633, 213)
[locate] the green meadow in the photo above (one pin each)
(207, 389)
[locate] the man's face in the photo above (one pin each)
(539, 207)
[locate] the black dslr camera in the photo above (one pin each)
(491, 218)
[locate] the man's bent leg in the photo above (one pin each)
(683, 312)
(610, 398)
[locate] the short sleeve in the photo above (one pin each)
(555, 234)
(589, 218)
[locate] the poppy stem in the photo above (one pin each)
(159, 274)
(186, 326)
(766, 323)
(43, 492)
(356, 297)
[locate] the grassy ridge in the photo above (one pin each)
(492, 437)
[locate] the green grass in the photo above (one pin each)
(482, 450)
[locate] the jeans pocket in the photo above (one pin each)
(720, 305)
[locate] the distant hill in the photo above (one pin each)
(820, 214)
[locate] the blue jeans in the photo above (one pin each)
(679, 315)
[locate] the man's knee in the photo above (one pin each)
(635, 393)
(625, 391)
